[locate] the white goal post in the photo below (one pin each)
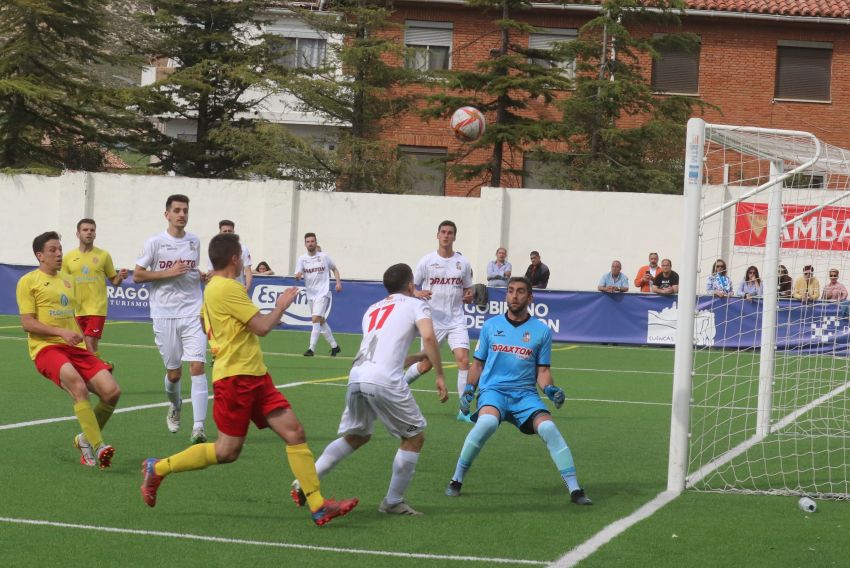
(761, 406)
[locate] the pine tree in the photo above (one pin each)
(352, 91)
(611, 85)
(54, 113)
(226, 66)
(514, 87)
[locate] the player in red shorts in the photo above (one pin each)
(89, 267)
(46, 301)
(243, 390)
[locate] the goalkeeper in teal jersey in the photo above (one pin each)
(512, 359)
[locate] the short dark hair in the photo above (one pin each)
(521, 280)
(447, 223)
(85, 221)
(808, 268)
(397, 277)
(226, 223)
(534, 253)
(41, 240)
(223, 247)
(179, 197)
(306, 235)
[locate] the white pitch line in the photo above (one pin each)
(597, 541)
(273, 544)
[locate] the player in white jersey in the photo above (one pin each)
(247, 276)
(377, 390)
(170, 262)
(445, 280)
(315, 268)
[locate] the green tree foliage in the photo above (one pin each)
(354, 93)
(612, 85)
(226, 67)
(55, 113)
(512, 87)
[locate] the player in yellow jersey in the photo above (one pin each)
(242, 387)
(46, 303)
(90, 267)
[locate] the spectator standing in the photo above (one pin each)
(785, 283)
(537, 272)
(614, 281)
(667, 281)
(499, 270)
(645, 274)
(834, 290)
(751, 286)
(807, 287)
(718, 283)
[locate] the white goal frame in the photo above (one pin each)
(697, 130)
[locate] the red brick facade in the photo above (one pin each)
(737, 71)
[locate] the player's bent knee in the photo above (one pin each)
(413, 444)
(356, 440)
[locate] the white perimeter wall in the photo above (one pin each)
(577, 233)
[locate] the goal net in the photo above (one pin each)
(761, 379)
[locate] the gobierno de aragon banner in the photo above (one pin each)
(828, 229)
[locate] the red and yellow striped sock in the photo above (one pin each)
(304, 467)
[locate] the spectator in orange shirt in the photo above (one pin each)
(646, 273)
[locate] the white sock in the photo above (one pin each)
(461, 380)
(412, 373)
(404, 466)
(314, 336)
(200, 399)
(172, 391)
(328, 334)
(336, 451)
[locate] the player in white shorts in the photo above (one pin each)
(170, 262)
(247, 276)
(444, 278)
(377, 390)
(315, 268)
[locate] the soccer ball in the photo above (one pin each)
(468, 124)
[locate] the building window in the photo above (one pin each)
(803, 70)
(302, 52)
(677, 71)
(537, 174)
(548, 38)
(425, 169)
(430, 45)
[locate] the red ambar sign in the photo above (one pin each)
(828, 229)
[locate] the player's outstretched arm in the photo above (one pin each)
(338, 280)
(142, 274)
(432, 350)
(31, 325)
(262, 324)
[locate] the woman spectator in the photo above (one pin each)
(718, 283)
(263, 269)
(499, 270)
(751, 286)
(786, 283)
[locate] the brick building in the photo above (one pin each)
(782, 64)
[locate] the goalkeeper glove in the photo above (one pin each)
(556, 395)
(466, 398)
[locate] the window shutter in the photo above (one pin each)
(428, 33)
(803, 73)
